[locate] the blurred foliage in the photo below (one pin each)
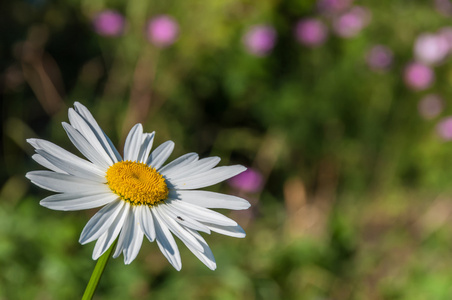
(357, 199)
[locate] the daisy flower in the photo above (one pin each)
(139, 195)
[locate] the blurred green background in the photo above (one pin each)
(353, 156)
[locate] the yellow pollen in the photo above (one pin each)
(137, 183)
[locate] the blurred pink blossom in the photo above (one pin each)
(444, 7)
(260, 39)
(109, 23)
(444, 129)
(333, 6)
(431, 48)
(162, 31)
(311, 32)
(418, 76)
(446, 34)
(430, 106)
(250, 181)
(379, 57)
(352, 22)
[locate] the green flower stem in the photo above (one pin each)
(97, 273)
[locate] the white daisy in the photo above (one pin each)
(140, 196)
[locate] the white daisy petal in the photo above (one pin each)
(135, 240)
(63, 183)
(207, 178)
(202, 214)
(101, 221)
(77, 168)
(146, 146)
(178, 163)
(160, 155)
(94, 133)
(146, 221)
(34, 143)
(133, 143)
(77, 201)
(82, 126)
(105, 240)
(194, 168)
(177, 230)
(123, 236)
(166, 243)
(100, 159)
(213, 200)
(58, 156)
(100, 245)
(45, 163)
(184, 219)
(205, 256)
(234, 231)
(62, 155)
(113, 152)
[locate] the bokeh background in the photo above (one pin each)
(341, 109)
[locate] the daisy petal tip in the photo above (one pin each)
(170, 145)
(241, 169)
(150, 237)
(245, 205)
(83, 241)
(78, 106)
(32, 142)
(240, 232)
(45, 203)
(127, 261)
(241, 235)
(49, 205)
(138, 126)
(71, 111)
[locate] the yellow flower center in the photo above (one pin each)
(137, 183)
